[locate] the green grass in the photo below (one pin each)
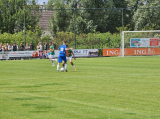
(101, 88)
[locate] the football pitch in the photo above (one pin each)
(100, 88)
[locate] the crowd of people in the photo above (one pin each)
(46, 51)
(15, 47)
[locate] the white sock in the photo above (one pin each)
(57, 67)
(53, 59)
(65, 66)
(73, 66)
(52, 62)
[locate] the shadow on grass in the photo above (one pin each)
(130, 113)
(74, 71)
(4, 84)
(156, 116)
(38, 111)
(41, 85)
(15, 92)
(39, 106)
(30, 98)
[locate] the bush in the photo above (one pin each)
(83, 41)
(90, 40)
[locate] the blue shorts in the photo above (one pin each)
(62, 57)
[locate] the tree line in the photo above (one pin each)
(137, 15)
(78, 16)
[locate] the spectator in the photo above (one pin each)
(0, 48)
(6, 48)
(54, 45)
(45, 46)
(27, 46)
(21, 47)
(31, 47)
(10, 47)
(40, 45)
(3, 48)
(14, 47)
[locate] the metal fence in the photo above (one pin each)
(83, 28)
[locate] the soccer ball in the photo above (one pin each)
(62, 69)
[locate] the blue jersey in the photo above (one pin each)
(62, 50)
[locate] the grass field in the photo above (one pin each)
(101, 88)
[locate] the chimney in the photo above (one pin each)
(44, 6)
(79, 6)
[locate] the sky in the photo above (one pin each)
(41, 2)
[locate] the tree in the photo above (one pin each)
(12, 15)
(147, 16)
(60, 19)
(89, 20)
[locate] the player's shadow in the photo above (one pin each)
(74, 71)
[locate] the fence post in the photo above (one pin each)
(74, 30)
(24, 30)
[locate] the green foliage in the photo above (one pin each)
(31, 36)
(145, 17)
(12, 15)
(86, 21)
(90, 40)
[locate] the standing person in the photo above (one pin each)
(7, 47)
(3, 48)
(51, 56)
(54, 44)
(27, 46)
(40, 45)
(0, 48)
(31, 47)
(69, 54)
(10, 47)
(62, 55)
(41, 50)
(46, 46)
(21, 47)
(15, 47)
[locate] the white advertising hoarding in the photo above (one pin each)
(4, 56)
(82, 53)
(29, 54)
(85, 52)
(144, 42)
(23, 54)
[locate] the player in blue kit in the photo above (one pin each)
(62, 55)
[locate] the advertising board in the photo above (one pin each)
(4, 56)
(21, 54)
(131, 51)
(144, 42)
